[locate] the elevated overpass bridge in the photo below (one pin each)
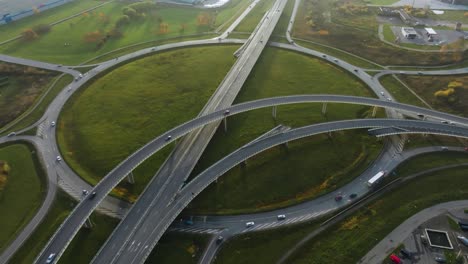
(83, 210)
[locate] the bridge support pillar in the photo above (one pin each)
(324, 108)
(88, 224)
(374, 111)
(273, 112)
(131, 178)
(225, 124)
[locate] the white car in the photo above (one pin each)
(52, 124)
(59, 158)
(281, 217)
(249, 224)
(50, 258)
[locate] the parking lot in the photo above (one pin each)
(422, 253)
(442, 37)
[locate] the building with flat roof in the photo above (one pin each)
(430, 31)
(409, 32)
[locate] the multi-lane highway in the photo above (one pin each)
(153, 203)
(50, 150)
(72, 224)
(55, 107)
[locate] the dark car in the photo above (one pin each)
(188, 222)
(405, 253)
(93, 194)
(219, 239)
(353, 195)
(339, 197)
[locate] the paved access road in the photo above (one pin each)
(228, 226)
(398, 235)
(40, 64)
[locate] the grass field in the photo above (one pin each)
(382, 216)
(267, 180)
(358, 34)
(113, 106)
(23, 192)
(181, 248)
(377, 219)
(92, 155)
(283, 22)
(49, 16)
(400, 92)
(249, 23)
(88, 241)
(62, 206)
(262, 247)
(282, 177)
(427, 86)
(177, 21)
(451, 15)
(355, 60)
(18, 91)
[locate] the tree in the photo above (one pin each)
(28, 35)
(93, 37)
(123, 20)
(115, 33)
(130, 12)
(163, 28)
(42, 29)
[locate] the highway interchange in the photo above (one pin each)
(48, 149)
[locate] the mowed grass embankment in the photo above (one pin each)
(67, 43)
(307, 168)
(360, 231)
(23, 193)
(120, 112)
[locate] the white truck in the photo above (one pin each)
(376, 178)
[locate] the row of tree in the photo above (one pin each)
(30, 34)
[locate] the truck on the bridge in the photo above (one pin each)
(376, 178)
